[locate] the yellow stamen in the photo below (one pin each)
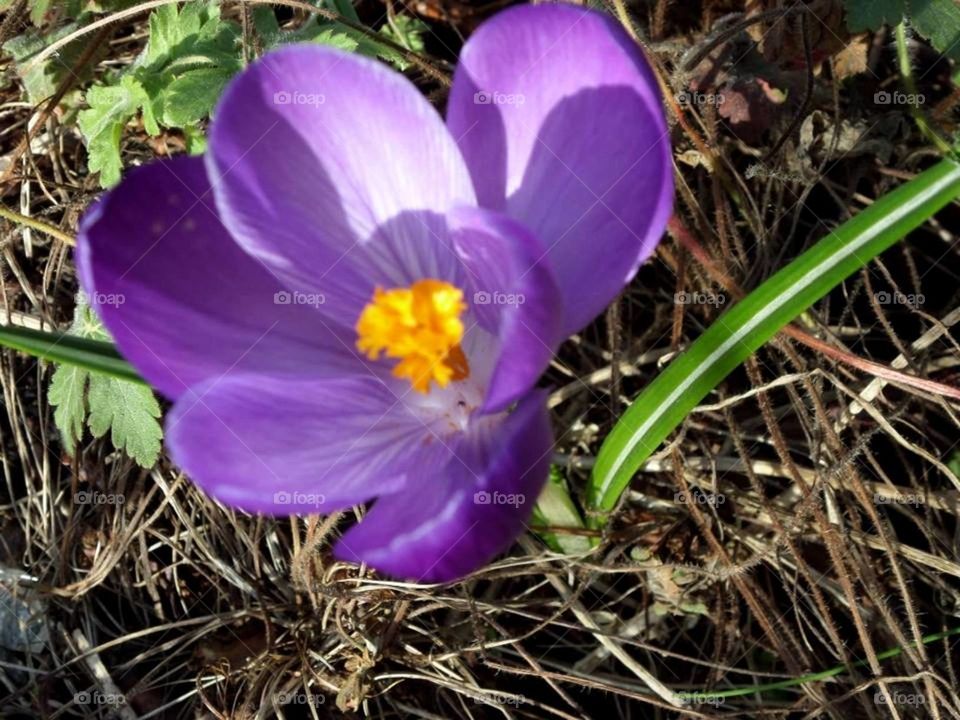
(421, 326)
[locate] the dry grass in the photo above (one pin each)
(833, 536)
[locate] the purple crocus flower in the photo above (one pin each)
(349, 300)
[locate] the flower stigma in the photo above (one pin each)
(419, 325)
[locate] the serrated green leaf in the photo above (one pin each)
(190, 97)
(939, 22)
(67, 389)
(127, 408)
(111, 108)
(873, 14)
(171, 28)
(196, 30)
(406, 31)
(341, 38)
(130, 412)
(346, 38)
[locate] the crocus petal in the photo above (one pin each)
(181, 299)
(282, 446)
(559, 118)
(443, 526)
(336, 172)
(512, 292)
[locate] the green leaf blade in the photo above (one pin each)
(749, 324)
(96, 355)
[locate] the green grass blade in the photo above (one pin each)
(95, 355)
(746, 326)
(702, 697)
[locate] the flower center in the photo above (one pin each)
(420, 325)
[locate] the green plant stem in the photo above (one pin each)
(812, 677)
(910, 85)
(37, 225)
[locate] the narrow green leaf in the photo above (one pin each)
(555, 509)
(95, 355)
(746, 326)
